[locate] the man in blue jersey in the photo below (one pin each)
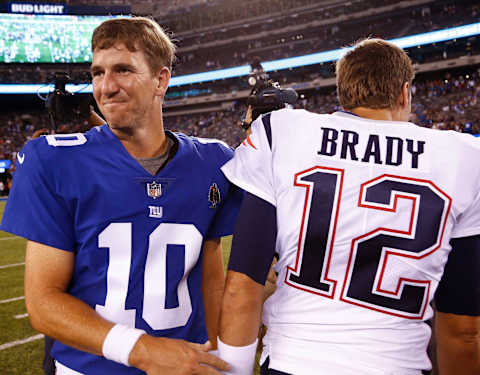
(123, 263)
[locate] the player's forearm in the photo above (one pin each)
(241, 310)
(212, 290)
(213, 282)
(459, 355)
(68, 320)
(458, 344)
(51, 309)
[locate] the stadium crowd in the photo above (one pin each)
(293, 36)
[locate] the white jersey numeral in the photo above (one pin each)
(74, 139)
(154, 311)
(118, 238)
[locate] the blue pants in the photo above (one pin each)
(264, 370)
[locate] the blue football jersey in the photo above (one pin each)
(137, 238)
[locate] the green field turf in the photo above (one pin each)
(24, 359)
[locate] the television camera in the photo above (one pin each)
(266, 95)
(64, 106)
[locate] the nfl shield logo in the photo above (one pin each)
(154, 190)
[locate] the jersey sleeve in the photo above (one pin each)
(251, 166)
(34, 209)
(468, 223)
(230, 195)
(224, 220)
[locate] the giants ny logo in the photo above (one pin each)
(155, 211)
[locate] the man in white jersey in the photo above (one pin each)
(363, 209)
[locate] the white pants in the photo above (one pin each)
(63, 370)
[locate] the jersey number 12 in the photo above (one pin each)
(369, 252)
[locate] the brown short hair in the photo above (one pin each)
(137, 33)
(372, 75)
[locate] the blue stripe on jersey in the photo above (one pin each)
(268, 127)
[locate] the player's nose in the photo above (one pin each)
(109, 85)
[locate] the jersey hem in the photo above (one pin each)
(61, 369)
(466, 233)
(280, 364)
(28, 237)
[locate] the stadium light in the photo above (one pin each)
(327, 56)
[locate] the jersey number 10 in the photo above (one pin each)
(118, 238)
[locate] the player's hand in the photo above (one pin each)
(158, 356)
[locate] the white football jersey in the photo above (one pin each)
(365, 212)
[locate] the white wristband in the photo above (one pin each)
(240, 358)
(119, 343)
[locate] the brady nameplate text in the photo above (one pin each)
(368, 148)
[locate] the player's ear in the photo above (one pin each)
(405, 99)
(162, 79)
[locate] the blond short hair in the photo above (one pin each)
(372, 75)
(137, 33)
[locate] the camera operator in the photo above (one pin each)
(266, 95)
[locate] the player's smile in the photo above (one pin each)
(113, 104)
